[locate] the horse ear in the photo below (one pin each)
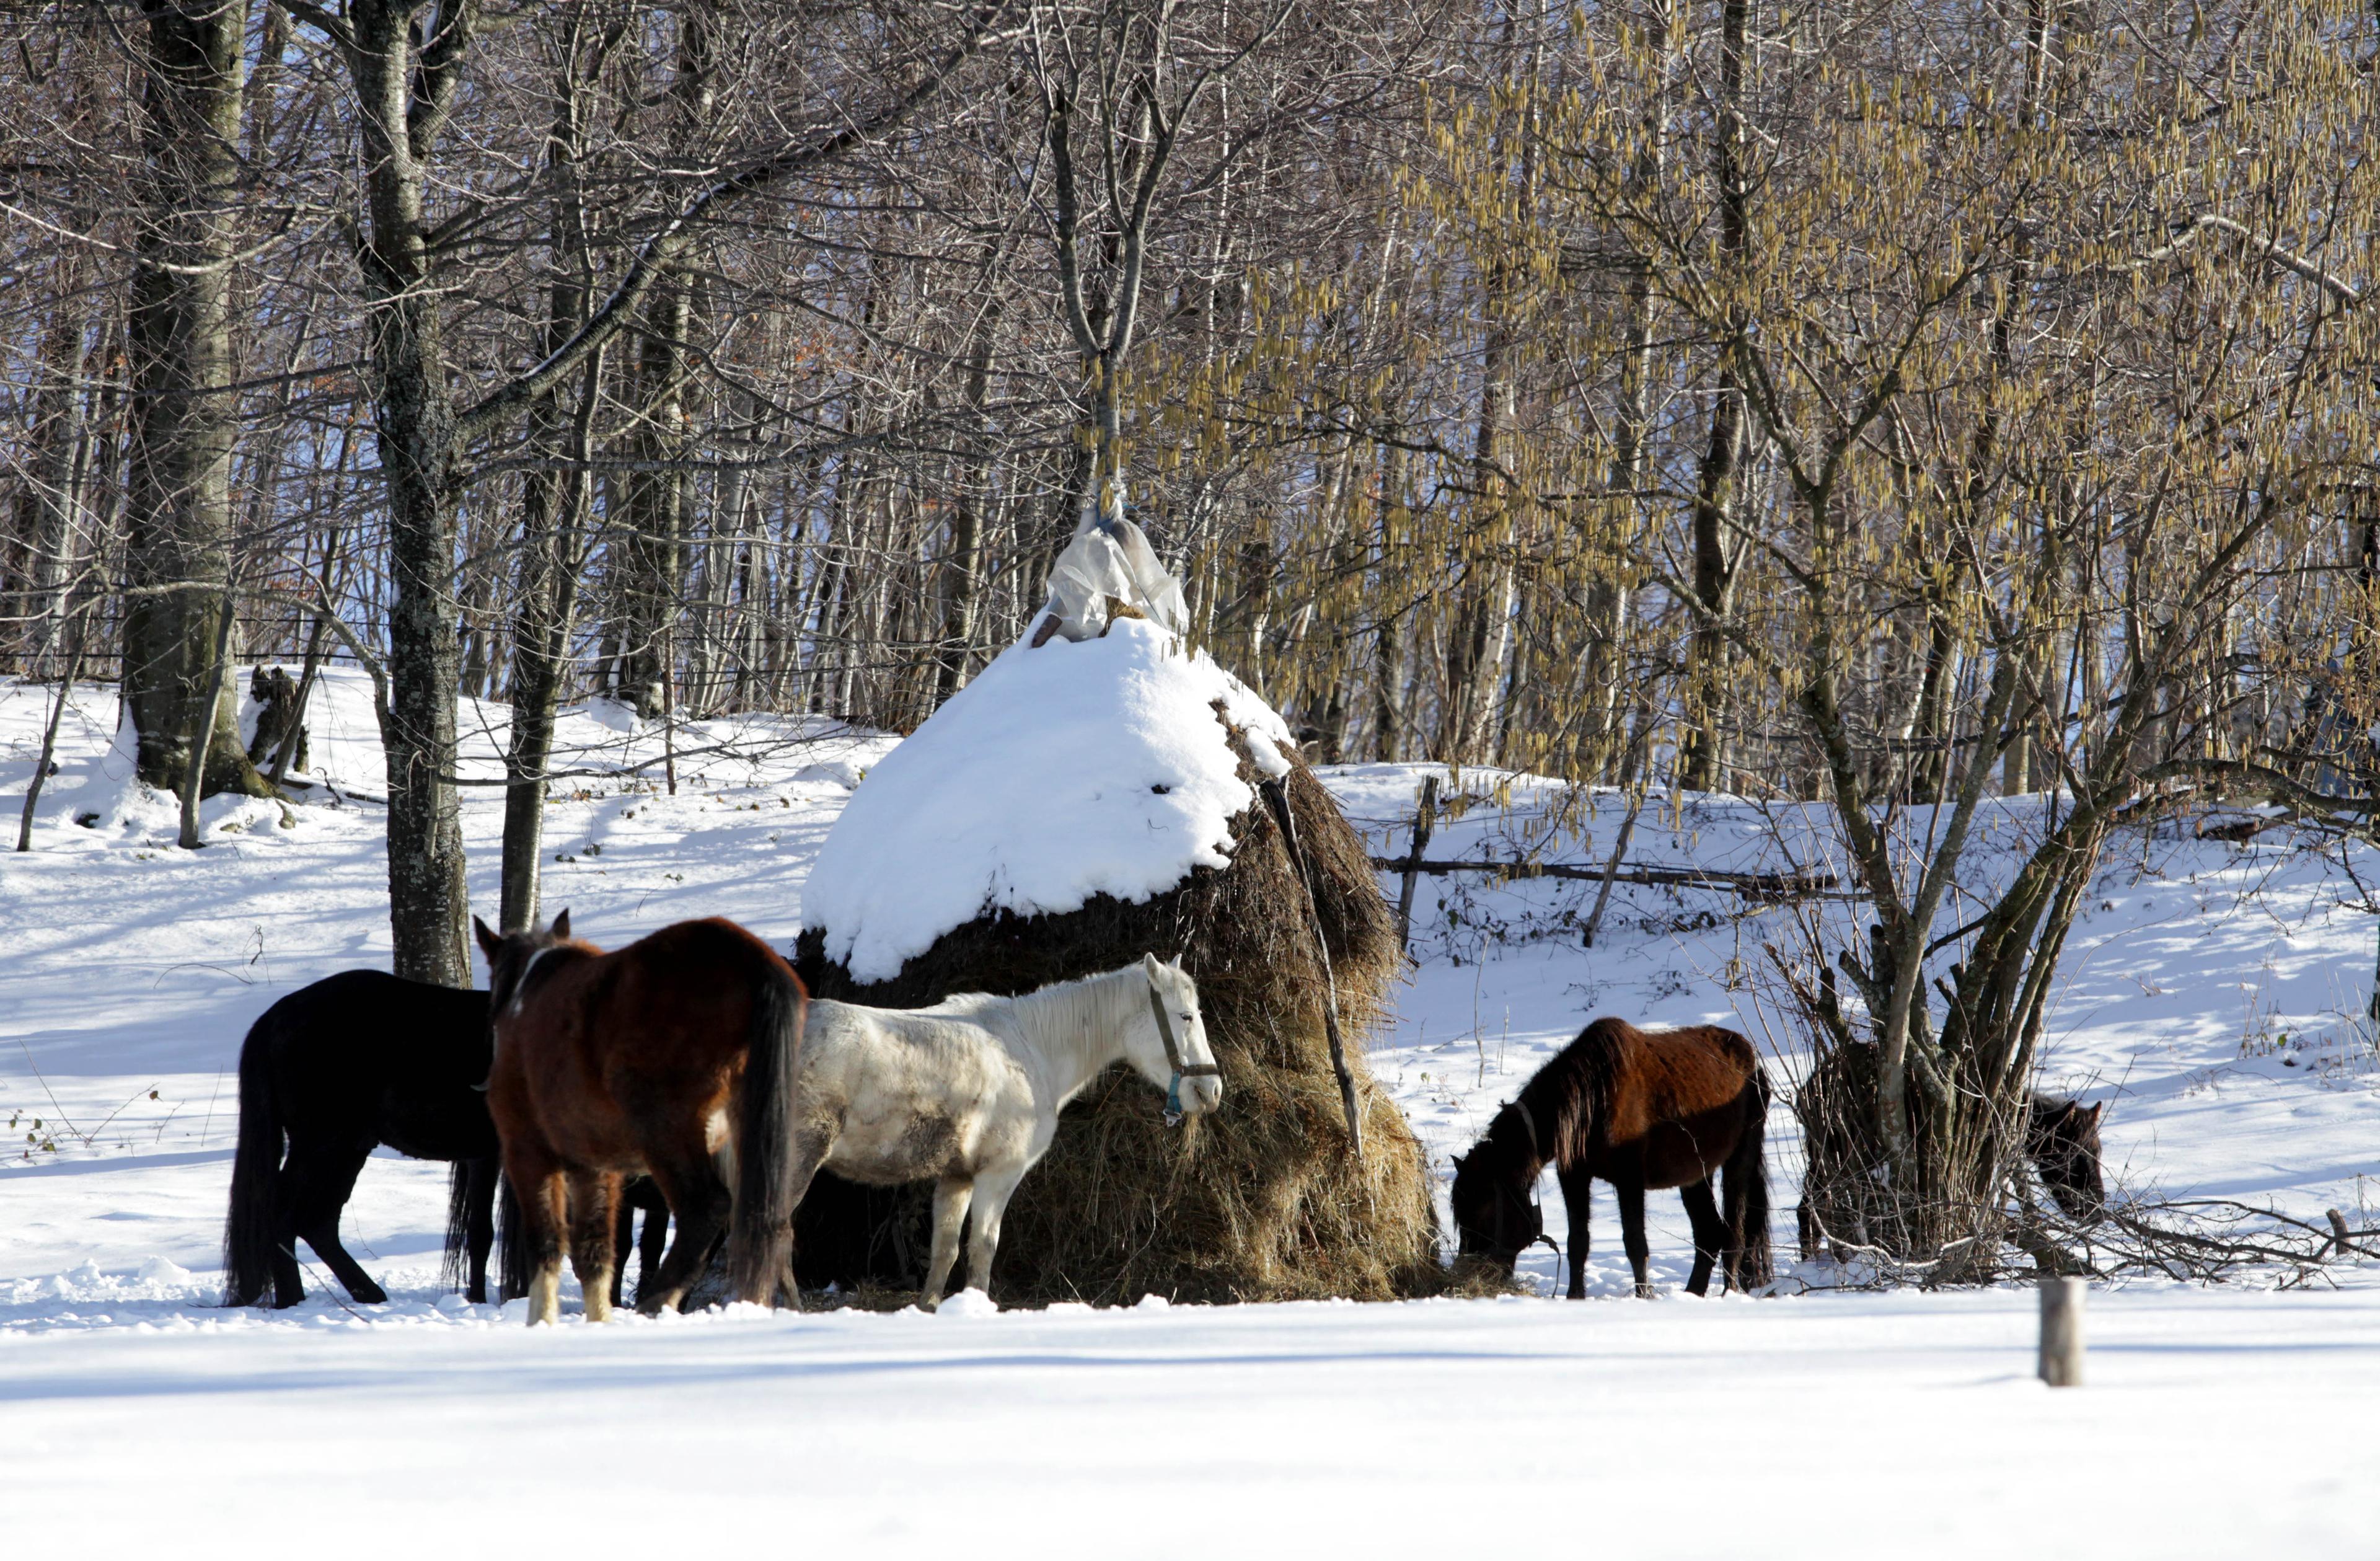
(560, 928)
(489, 942)
(1153, 964)
(2094, 1112)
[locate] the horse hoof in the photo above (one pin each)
(1645, 1292)
(370, 1295)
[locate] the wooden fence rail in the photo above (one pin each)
(1758, 885)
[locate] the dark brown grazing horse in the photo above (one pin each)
(1640, 1109)
(653, 1059)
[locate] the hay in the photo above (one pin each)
(1259, 1202)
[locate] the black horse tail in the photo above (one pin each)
(248, 1234)
(512, 1243)
(760, 1234)
(454, 1269)
(1746, 1189)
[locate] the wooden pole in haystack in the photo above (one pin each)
(1278, 795)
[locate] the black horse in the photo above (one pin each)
(1640, 1109)
(356, 1060)
(364, 1058)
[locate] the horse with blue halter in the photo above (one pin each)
(967, 1094)
(328, 1073)
(1640, 1109)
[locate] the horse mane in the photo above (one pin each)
(515, 989)
(1562, 1101)
(1568, 1097)
(1070, 1011)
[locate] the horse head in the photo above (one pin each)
(1174, 1052)
(512, 954)
(2063, 1142)
(1495, 1218)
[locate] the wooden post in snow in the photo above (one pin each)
(1424, 822)
(2339, 1243)
(2062, 1332)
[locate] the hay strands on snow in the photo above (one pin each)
(1277, 795)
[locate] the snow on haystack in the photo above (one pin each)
(1065, 769)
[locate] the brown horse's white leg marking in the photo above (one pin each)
(593, 1196)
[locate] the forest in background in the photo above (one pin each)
(1889, 406)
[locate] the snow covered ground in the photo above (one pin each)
(2209, 994)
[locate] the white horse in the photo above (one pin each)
(967, 1094)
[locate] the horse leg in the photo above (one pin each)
(700, 1204)
(654, 1239)
(623, 1235)
(1578, 1202)
(1631, 1231)
(593, 1195)
(952, 1195)
(537, 1185)
(479, 1224)
(992, 1190)
(319, 1193)
(288, 1180)
(1710, 1235)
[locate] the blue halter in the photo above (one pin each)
(1173, 1111)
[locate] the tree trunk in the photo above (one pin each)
(179, 337)
(428, 897)
(654, 550)
(1703, 764)
(962, 575)
(50, 504)
(554, 500)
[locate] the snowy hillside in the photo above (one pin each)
(2211, 994)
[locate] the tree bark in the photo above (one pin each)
(50, 504)
(554, 500)
(1703, 764)
(963, 573)
(179, 341)
(401, 88)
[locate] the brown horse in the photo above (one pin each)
(673, 1057)
(1638, 1108)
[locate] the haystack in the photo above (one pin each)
(1078, 805)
